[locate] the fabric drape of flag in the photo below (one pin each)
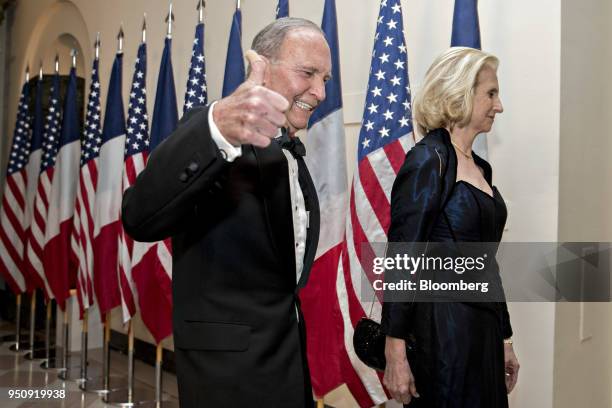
(50, 145)
(234, 63)
(282, 9)
(466, 28)
(83, 221)
(326, 159)
(196, 92)
(33, 280)
(136, 149)
(466, 33)
(59, 266)
(384, 139)
(12, 213)
(152, 270)
(107, 224)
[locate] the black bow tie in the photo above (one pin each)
(293, 144)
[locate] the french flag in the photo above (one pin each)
(61, 269)
(107, 224)
(326, 160)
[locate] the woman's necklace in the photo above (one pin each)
(467, 156)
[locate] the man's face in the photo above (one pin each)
(299, 72)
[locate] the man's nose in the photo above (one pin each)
(318, 89)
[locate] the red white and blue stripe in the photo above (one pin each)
(83, 231)
(50, 145)
(60, 267)
(12, 213)
(136, 151)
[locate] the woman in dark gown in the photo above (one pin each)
(444, 193)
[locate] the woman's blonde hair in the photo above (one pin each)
(447, 95)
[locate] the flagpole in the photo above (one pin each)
(106, 358)
(49, 362)
(85, 322)
(158, 374)
(30, 355)
(84, 332)
(63, 374)
(16, 346)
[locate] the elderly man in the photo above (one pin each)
(231, 188)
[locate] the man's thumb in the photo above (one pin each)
(257, 66)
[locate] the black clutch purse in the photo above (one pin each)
(369, 344)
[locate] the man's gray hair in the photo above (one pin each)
(269, 40)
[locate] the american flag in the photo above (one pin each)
(282, 9)
(12, 213)
(152, 264)
(83, 223)
(136, 151)
(33, 281)
(36, 239)
(384, 139)
(196, 94)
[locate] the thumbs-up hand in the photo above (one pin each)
(253, 113)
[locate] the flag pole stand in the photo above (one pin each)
(50, 361)
(35, 352)
(106, 383)
(320, 403)
(131, 396)
(18, 345)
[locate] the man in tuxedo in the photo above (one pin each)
(231, 188)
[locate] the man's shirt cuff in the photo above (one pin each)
(229, 151)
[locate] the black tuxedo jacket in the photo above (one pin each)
(236, 334)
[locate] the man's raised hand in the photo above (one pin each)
(253, 113)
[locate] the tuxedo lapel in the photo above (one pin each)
(274, 179)
(312, 206)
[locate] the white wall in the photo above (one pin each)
(524, 145)
(583, 351)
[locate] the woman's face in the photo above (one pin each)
(486, 101)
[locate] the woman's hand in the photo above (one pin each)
(398, 377)
(511, 367)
